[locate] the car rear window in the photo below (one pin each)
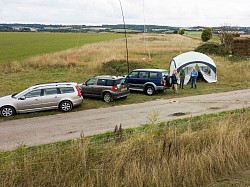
(67, 90)
(110, 83)
(119, 81)
(164, 73)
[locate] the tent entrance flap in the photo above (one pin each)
(207, 74)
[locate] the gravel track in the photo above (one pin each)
(64, 126)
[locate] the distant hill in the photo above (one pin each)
(17, 27)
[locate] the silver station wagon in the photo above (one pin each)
(61, 96)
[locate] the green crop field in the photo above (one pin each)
(21, 45)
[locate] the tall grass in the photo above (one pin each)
(205, 150)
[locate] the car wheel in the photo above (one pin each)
(7, 111)
(65, 106)
(107, 97)
(150, 90)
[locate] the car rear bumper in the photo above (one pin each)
(77, 101)
(120, 94)
(161, 87)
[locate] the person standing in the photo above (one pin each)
(174, 81)
(182, 77)
(194, 75)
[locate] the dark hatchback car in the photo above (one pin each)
(149, 80)
(105, 87)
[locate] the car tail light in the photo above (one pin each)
(114, 88)
(162, 83)
(78, 91)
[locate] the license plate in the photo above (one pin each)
(124, 89)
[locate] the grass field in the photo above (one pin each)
(21, 45)
(79, 64)
(208, 150)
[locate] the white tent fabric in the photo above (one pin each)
(189, 60)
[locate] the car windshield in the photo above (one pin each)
(17, 95)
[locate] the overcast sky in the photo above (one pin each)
(98, 12)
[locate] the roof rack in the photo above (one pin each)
(51, 84)
(107, 76)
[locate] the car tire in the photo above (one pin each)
(7, 111)
(168, 81)
(107, 97)
(150, 90)
(66, 106)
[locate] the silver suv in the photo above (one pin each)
(61, 96)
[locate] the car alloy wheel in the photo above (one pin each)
(7, 111)
(65, 106)
(150, 90)
(107, 97)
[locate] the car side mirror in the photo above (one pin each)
(22, 98)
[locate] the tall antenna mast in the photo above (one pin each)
(144, 27)
(146, 48)
(126, 39)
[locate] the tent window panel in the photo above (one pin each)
(206, 70)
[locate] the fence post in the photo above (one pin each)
(120, 132)
(83, 151)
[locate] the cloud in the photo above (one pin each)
(176, 13)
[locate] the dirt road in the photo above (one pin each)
(41, 130)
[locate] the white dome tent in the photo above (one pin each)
(189, 60)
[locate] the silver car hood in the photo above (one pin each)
(7, 100)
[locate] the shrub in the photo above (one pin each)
(206, 34)
(120, 67)
(175, 32)
(212, 48)
(181, 31)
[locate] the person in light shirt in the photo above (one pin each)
(194, 75)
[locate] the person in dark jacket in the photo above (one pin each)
(182, 77)
(174, 81)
